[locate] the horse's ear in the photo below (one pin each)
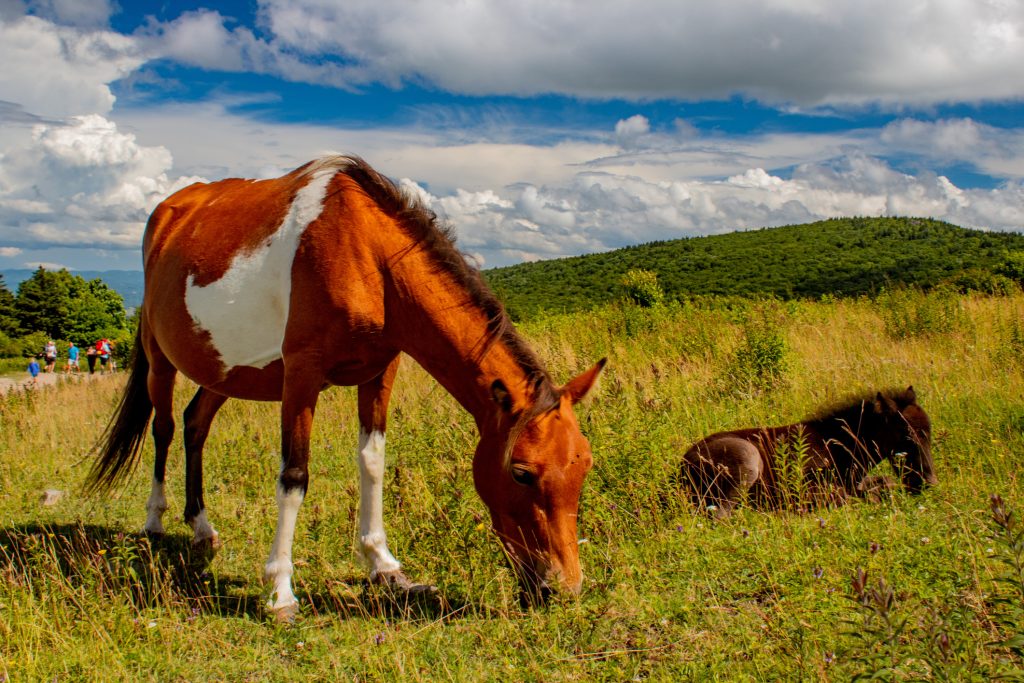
(911, 394)
(884, 404)
(501, 395)
(579, 386)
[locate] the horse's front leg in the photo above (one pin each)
(298, 405)
(874, 488)
(373, 406)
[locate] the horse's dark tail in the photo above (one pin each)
(121, 443)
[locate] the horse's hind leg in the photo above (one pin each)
(198, 417)
(160, 384)
(373, 406)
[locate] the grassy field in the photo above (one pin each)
(668, 594)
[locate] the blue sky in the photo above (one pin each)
(539, 128)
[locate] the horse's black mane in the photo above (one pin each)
(437, 238)
(850, 409)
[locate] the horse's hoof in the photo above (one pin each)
(209, 545)
(285, 614)
(205, 549)
(397, 581)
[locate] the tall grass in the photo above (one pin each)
(669, 594)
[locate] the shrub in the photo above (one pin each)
(642, 288)
(762, 358)
(908, 312)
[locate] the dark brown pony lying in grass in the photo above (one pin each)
(824, 459)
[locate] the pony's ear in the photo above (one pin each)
(579, 386)
(911, 394)
(884, 404)
(501, 395)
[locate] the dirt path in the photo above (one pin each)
(22, 380)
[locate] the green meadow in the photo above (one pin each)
(927, 587)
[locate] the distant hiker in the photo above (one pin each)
(90, 358)
(72, 365)
(33, 369)
(50, 354)
(103, 349)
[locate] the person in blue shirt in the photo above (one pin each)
(33, 369)
(72, 365)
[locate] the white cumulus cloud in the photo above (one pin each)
(83, 184)
(808, 52)
(51, 70)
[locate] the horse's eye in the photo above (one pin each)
(523, 475)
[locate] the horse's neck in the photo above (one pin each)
(432, 318)
(850, 435)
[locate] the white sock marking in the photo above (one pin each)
(246, 310)
(202, 529)
(155, 508)
(372, 539)
(278, 570)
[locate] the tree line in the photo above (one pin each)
(57, 305)
(837, 257)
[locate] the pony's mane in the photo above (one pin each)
(437, 239)
(851, 405)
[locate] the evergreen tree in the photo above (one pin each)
(8, 319)
(43, 302)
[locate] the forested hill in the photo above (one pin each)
(845, 256)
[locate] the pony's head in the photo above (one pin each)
(909, 431)
(529, 471)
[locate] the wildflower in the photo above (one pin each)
(746, 533)
(379, 638)
(480, 526)
(151, 624)
(679, 528)
(102, 551)
(821, 523)
(874, 547)
(830, 657)
(818, 572)
(925, 540)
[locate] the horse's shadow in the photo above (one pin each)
(166, 570)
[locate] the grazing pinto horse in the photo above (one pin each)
(273, 290)
(840, 446)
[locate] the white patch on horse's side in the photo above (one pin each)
(278, 570)
(156, 506)
(373, 541)
(246, 310)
